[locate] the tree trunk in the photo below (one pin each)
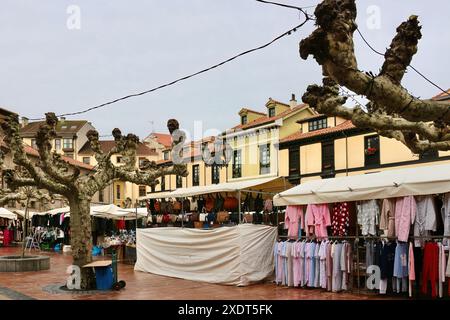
(81, 239)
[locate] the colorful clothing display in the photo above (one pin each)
(294, 220)
(340, 221)
(405, 213)
(387, 219)
(317, 220)
(368, 213)
(425, 220)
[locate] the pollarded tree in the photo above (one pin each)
(52, 173)
(392, 111)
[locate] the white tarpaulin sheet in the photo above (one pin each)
(238, 255)
(386, 184)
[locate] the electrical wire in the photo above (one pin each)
(410, 65)
(301, 9)
(287, 33)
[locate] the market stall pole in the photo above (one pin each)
(25, 227)
(239, 212)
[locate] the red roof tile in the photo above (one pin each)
(163, 138)
(34, 153)
(252, 111)
(107, 145)
(442, 96)
(300, 135)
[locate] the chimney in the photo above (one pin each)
(293, 102)
(25, 121)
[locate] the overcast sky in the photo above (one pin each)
(124, 47)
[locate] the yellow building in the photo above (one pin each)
(123, 193)
(254, 143)
(325, 147)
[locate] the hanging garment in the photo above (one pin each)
(312, 264)
(275, 259)
(346, 263)
(307, 262)
(329, 266)
(387, 219)
(290, 269)
(368, 213)
(418, 265)
(318, 218)
(296, 263)
(387, 260)
(293, 220)
(442, 265)
(303, 276)
(340, 219)
(337, 270)
(268, 206)
(323, 266)
(401, 266)
(425, 218)
(317, 266)
(445, 211)
(280, 273)
(411, 270)
(430, 270)
(285, 267)
(405, 214)
(370, 253)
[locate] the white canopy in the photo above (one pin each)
(264, 184)
(114, 212)
(157, 195)
(5, 213)
(386, 184)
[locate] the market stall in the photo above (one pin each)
(218, 204)
(238, 255)
(386, 221)
(7, 227)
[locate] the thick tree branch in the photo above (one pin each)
(53, 165)
(332, 46)
(326, 100)
(41, 180)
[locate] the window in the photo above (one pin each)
(142, 191)
(142, 162)
(166, 155)
(271, 112)
(118, 194)
(68, 143)
(101, 196)
(429, 154)
(372, 151)
(215, 174)
(58, 144)
(33, 204)
(163, 183)
(179, 182)
(294, 162)
(195, 175)
(87, 160)
(327, 156)
(317, 124)
(237, 164)
(244, 119)
(264, 159)
(69, 155)
(119, 159)
(33, 144)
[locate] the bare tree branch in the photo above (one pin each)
(332, 46)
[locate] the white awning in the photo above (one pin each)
(421, 180)
(157, 195)
(114, 212)
(5, 213)
(271, 184)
